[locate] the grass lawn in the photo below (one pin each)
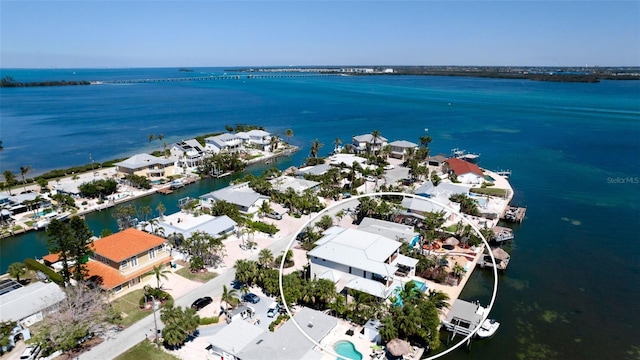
(129, 305)
(145, 350)
(199, 277)
(489, 191)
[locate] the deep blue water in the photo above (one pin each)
(571, 289)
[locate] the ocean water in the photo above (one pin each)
(571, 288)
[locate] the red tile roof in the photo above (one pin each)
(108, 277)
(461, 167)
(51, 258)
(126, 244)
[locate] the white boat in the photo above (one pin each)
(488, 328)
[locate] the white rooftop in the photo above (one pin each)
(389, 229)
(141, 160)
(282, 183)
(28, 300)
(187, 224)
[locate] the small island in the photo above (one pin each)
(8, 81)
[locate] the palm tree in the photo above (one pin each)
(438, 299)
(229, 297)
(315, 148)
(288, 133)
(159, 273)
(161, 209)
(264, 209)
(23, 171)
(16, 270)
(273, 143)
(265, 258)
(337, 143)
(375, 134)
(151, 137)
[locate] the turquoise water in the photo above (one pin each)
(396, 292)
(573, 149)
(348, 350)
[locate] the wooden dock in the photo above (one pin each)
(165, 191)
(514, 214)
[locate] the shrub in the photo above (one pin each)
(34, 265)
(277, 321)
(263, 227)
(209, 320)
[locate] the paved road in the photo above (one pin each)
(131, 336)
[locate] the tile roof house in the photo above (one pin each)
(120, 260)
(187, 153)
(245, 198)
(360, 260)
(466, 172)
(145, 165)
(399, 148)
(227, 142)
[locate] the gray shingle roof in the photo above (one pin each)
(142, 160)
(28, 300)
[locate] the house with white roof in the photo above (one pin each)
(145, 165)
(185, 224)
(417, 207)
(187, 153)
(227, 142)
(399, 148)
(259, 138)
(29, 304)
(367, 142)
(391, 230)
(245, 198)
(282, 183)
(241, 340)
(347, 160)
(360, 260)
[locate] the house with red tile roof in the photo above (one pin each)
(120, 260)
(466, 172)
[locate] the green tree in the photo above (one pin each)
(288, 133)
(246, 271)
(265, 258)
(158, 273)
(43, 183)
(315, 148)
(161, 209)
(124, 216)
(23, 172)
(16, 270)
(81, 246)
(179, 324)
(325, 222)
(60, 241)
(9, 179)
(229, 297)
(377, 138)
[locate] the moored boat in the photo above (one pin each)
(488, 328)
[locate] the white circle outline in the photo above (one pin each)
(473, 226)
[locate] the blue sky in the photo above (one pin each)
(273, 33)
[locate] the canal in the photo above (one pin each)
(33, 244)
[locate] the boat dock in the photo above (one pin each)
(502, 234)
(504, 173)
(463, 317)
(164, 191)
(514, 214)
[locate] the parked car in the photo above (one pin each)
(273, 309)
(202, 302)
(388, 167)
(252, 298)
(30, 352)
(274, 215)
(370, 178)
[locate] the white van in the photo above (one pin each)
(273, 309)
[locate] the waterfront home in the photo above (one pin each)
(28, 304)
(399, 148)
(187, 153)
(243, 340)
(417, 208)
(145, 165)
(225, 143)
(442, 191)
(120, 260)
(185, 224)
(320, 169)
(258, 138)
(24, 202)
(466, 172)
(360, 260)
(347, 160)
(282, 183)
(391, 230)
(241, 195)
(366, 142)
(437, 160)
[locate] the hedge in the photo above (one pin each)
(36, 266)
(209, 320)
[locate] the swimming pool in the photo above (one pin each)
(348, 350)
(396, 292)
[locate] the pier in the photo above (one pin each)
(514, 214)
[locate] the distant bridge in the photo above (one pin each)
(209, 78)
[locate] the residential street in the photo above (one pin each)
(134, 334)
